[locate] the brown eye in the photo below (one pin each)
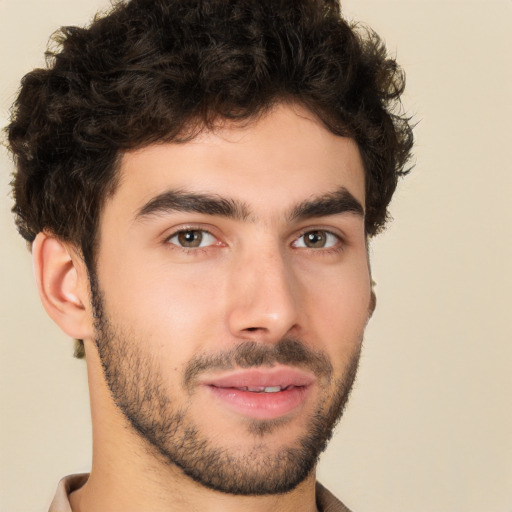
(192, 239)
(317, 239)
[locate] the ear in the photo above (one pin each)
(373, 300)
(63, 285)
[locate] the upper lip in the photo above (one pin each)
(282, 376)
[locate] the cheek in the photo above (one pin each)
(162, 305)
(337, 305)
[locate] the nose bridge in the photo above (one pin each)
(264, 302)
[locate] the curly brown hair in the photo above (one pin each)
(161, 70)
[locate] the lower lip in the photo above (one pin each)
(264, 406)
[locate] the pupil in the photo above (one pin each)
(315, 239)
(190, 238)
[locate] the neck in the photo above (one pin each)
(129, 475)
(114, 492)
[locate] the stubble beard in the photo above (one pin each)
(138, 388)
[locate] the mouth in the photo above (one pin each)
(262, 393)
(266, 389)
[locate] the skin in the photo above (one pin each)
(174, 304)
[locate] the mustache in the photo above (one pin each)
(251, 354)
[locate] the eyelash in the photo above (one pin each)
(189, 250)
(338, 247)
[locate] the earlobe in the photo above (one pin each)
(373, 300)
(373, 303)
(60, 279)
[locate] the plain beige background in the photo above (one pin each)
(429, 426)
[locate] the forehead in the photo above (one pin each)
(269, 164)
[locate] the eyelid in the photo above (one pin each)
(207, 239)
(190, 227)
(329, 231)
(169, 232)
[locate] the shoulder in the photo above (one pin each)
(66, 486)
(327, 502)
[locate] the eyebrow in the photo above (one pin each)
(181, 201)
(333, 203)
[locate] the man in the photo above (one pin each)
(198, 182)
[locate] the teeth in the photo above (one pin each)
(262, 389)
(273, 389)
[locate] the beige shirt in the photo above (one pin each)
(326, 502)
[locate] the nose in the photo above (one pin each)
(263, 300)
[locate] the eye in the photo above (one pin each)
(192, 238)
(317, 239)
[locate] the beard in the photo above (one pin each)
(138, 387)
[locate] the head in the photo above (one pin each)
(169, 86)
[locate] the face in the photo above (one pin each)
(231, 293)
